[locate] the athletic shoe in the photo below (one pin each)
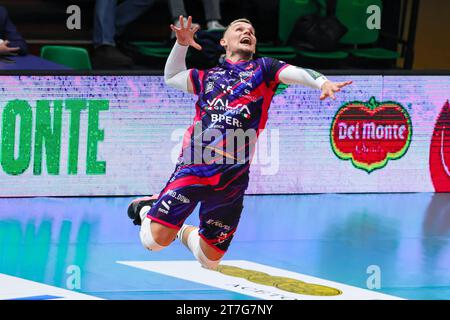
(214, 25)
(138, 209)
(107, 56)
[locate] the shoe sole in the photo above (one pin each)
(136, 206)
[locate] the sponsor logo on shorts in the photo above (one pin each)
(219, 224)
(222, 237)
(166, 206)
(178, 196)
(371, 133)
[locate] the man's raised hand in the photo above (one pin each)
(329, 88)
(185, 34)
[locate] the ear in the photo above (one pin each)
(223, 42)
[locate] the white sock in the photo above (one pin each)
(144, 211)
(193, 244)
(193, 241)
(182, 230)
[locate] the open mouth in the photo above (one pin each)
(246, 40)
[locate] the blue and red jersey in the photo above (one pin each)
(231, 96)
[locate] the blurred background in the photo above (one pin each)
(90, 139)
(322, 34)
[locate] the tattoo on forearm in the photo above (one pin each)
(314, 74)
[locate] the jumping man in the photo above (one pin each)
(233, 99)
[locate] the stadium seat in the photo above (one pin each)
(278, 52)
(153, 49)
(290, 12)
(72, 57)
(281, 88)
(353, 14)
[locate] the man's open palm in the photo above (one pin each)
(185, 34)
(329, 88)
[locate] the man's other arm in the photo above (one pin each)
(176, 74)
(312, 79)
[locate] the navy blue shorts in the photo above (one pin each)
(221, 198)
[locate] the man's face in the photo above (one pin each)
(240, 38)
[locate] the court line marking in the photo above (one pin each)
(42, 297)
(192, 271)
(18, 288)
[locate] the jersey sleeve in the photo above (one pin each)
(196, 77)
(272, 68)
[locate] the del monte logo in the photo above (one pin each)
(371, 133)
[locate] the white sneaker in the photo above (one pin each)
(214, 25)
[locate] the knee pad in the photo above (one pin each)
(147, 238)
(194, 245)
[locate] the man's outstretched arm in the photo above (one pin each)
(312, 79)
(176, 74)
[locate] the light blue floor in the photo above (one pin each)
(334, 237)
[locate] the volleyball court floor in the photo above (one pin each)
(324, 246)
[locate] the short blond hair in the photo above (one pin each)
(236, 21)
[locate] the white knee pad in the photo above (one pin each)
(194, 246)
(147, 238)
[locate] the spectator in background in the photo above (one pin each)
(11, 42)
(262, 13)
(110, 21)
(212, 14)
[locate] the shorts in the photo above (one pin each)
(221, 198)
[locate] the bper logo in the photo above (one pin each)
(371, 133)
